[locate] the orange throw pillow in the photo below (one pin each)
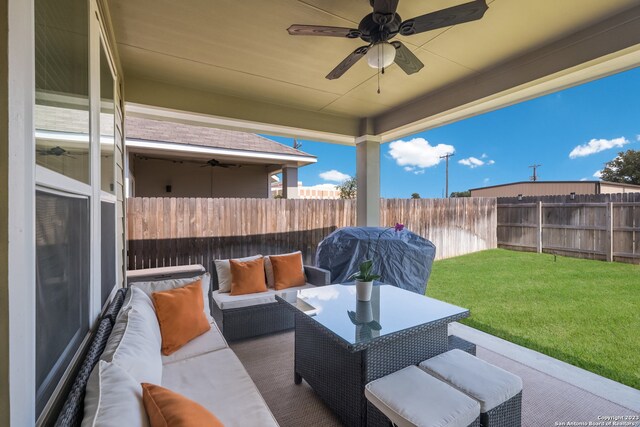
(166, 408)
(180, 313)
(247, 277)
(287, 271)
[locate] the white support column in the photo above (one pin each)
(368, 176)
(290, 182)
(17, 202)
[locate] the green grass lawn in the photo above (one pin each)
(583, 312)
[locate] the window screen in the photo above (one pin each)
(62, 286)
(61, 113)
(108, 252)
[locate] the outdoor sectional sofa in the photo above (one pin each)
(246, 316)
(205, 370)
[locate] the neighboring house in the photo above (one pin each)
(553, 188)
(320, 191)
(183, 160)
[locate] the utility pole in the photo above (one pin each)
(534, 177)
(446, 157)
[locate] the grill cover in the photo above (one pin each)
(402, 258)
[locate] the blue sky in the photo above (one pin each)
(572, 133)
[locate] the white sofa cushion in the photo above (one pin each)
(223, 270)
(211, 340)
(410, 397)
(226, 301)
(218, 381)
(268, 268)
(488, 384)
(113, 399)
(138, 299)
(166, 285)
(135, 341)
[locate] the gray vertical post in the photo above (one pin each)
(290, 182)
(609, 240)
(539, 234)
(368, 177)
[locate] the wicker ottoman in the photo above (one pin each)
(499, 392)
(410, 397)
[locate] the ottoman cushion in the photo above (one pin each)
(488, 384)
(411, 397)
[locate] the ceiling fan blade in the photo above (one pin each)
(385, 7)
(444, 18)
(406, 59)
(348, 62)
(321, 30)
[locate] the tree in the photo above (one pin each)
(348, 188)
(625, 168)
(461, 193)
(415, 195)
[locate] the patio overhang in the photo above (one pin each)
(190, 63)
(516, 52)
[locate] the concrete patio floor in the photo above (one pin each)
(554, 394)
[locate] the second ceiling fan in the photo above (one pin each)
(383, 24)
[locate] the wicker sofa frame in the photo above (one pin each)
(262, 319)
(507, 414)
(72, 411)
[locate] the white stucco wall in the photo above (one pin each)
(191, 180)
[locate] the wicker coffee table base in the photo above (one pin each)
(338, 374)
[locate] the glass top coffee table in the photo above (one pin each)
(341, 344)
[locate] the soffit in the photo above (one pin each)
(242, 49)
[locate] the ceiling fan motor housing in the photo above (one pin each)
(377, 27)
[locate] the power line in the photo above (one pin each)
(534, 177)
(446, 157)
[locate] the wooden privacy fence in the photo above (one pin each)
(176, 231)
(607, 230)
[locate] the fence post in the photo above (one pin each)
(609, 241)
(539, 242)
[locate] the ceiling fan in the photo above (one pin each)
(54, 151)
(382, 25)
(216, 164)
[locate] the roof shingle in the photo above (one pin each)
(180, 133)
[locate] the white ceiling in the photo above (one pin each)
(240, 50)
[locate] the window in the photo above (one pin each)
(61, 112)
(107, 133)
(76, 191)
(62, 284)
(107, 177)
(108, 252)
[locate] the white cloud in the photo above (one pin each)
(638, 138)
(472, 162)
(418, 153)
(597, 174)
(334, 175)
(416, 171)
(596, 146)
(486, 180)
(584, 179)
(323, 186)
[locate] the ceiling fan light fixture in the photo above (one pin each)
(381, 55)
